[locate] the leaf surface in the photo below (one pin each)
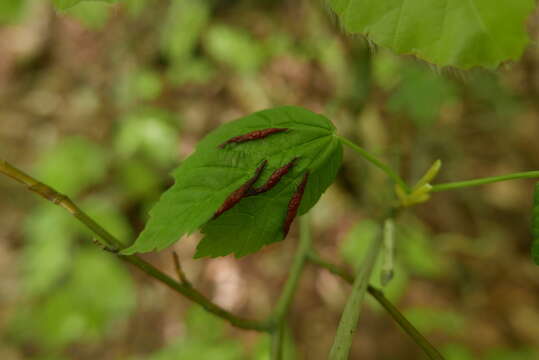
(218, 169)
(461, 33)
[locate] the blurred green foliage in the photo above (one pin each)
(355, 245)
(427, 320)
(96, 293)
(205, 339)
(94, 14)
(149, 134)
(72, 294)
(88, 159)
(234, 47)
(67, 4)
(421, 94)
(416, 255)
(11, 10)
(48, 231)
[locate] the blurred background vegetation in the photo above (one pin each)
(103, 101)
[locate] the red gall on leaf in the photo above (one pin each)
(254, 135)
(274, 179)
(240, 193)
(293, 205)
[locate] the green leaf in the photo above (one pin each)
(208, 177)
(461, 33)
(535, 225)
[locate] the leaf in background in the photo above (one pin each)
(235, 48)
(48, 234)
(136, 85)
(11, 10)
(97, 295)
(459, 33)
(66, 4)
(427, 320)
(186, 19)
(497, 98)
(512, 354)
(136, 7)
(386, 69)
(103, 211)
(208, 178)
(353, 248)
(147, 84)
(138, 180)
(197, 70)
(457, 352)
(93, 14)
(151, 133)
(197, 349)
(73, 165)
(199, 343)
(535, 225)
(416, 250)
(421, 94)
(263, 347)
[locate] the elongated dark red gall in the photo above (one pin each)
(253, 135)
(274, 179)
(293, 205)
(240, 193)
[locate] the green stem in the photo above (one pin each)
(277, 341)
(376, 162)
(378, 295)
(285, 300)
(113, 244)
(195, 296)
(350, 316)
(483, 181)
(283, 304)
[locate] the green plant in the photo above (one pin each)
(249, 179)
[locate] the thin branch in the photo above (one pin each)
(379, 296)
(298, 264)
(277, 341)
(376, 162)
(483, 181)
(179, 270)
(283, 305)
(352, 311)
(113, 244)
